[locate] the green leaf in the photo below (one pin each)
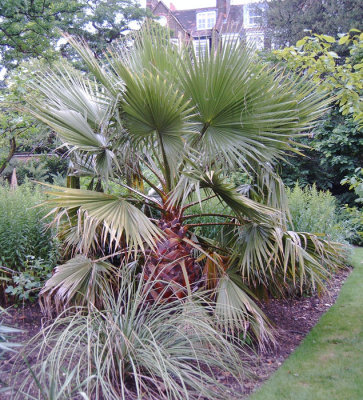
(328, 39)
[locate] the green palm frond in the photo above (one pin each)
(147, 49)
(72, 127)
(213, 183)
(245, 112)
(99, 69)
(119, 219)
(156, 111)
(66, 88)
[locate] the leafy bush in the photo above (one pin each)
(28, 250)
(351, 223)
(135, 349)
(316, 211)
(26, 283)
(45, 168)
(334, 152)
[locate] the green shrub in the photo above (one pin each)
(317, 212)
(214, 206)
(28, 250)
(44, 168)
(351, 223)
(26, 284)
(23, 232)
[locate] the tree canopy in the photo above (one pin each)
(32, 28)
(288, 20)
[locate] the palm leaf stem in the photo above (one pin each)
(206, 244)
(157, 190)
(148, 198)
(212, 223)
(198, 202)
(204, 130)
(152, 169)
(166, 163)
(207, 215)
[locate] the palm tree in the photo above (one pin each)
(162, 130)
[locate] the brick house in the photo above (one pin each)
(225, 22)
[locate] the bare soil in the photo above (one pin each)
(292, 319)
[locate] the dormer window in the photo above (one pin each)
(252, 15)
(206, 20)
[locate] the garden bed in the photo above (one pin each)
(292, 318)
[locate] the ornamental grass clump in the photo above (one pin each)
(134, 348)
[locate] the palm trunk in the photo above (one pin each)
(171, 268)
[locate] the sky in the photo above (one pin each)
(185, 4)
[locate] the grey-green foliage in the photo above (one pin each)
(23, 232)
(135, 349)
(7, 343)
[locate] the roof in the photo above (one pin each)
(187, 19)
(234, 22)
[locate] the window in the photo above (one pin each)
(256, 40)
(252, 15)
(175, 42)
(231, 38)
(200, 46)
(206, 20)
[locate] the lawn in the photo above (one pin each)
(329, 362)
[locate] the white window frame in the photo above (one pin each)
(231, 38)
(250, 15)
(255, 40)
(206, 20)
(201, 46)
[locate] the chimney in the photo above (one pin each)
(172, 7)
(151, 4)
(223, 7)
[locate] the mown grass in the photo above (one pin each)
(329, 362)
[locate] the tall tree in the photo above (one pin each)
(31, 28)
(288, 20)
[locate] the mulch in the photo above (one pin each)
(292, 319)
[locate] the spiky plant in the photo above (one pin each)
(163, 129)
(132, 349)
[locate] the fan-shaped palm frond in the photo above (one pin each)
(79, 281)
(119, 218)
(279, 260)
(246, 112)
(235, 310)
(213, 183)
